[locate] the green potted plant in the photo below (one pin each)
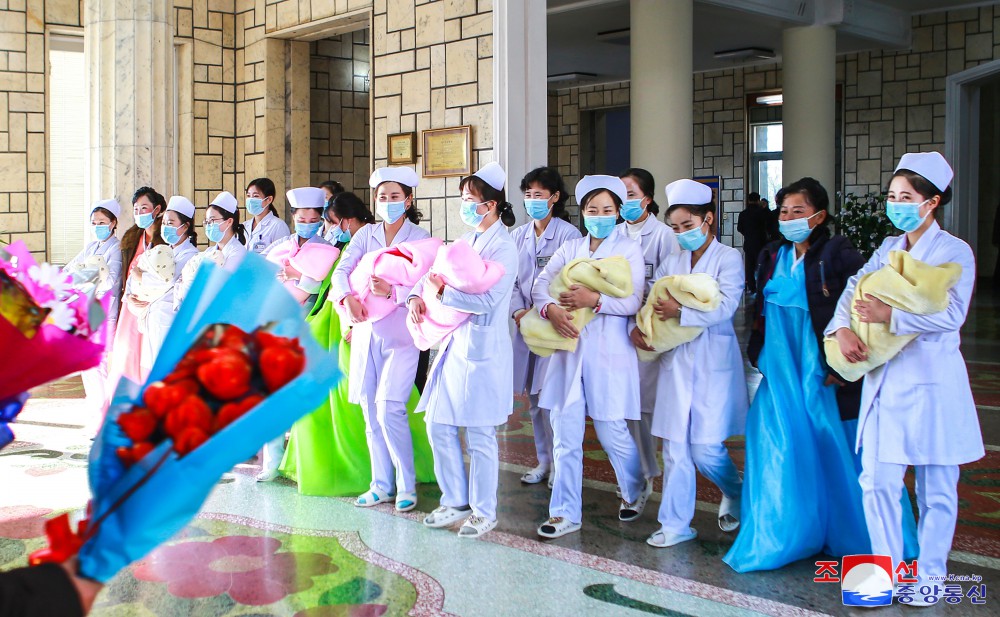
(862, 219)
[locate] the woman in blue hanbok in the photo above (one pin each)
(800, 492)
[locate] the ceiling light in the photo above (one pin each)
(745, 53)
(770, 99)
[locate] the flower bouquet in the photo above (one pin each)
(51, 325)
(238, 368)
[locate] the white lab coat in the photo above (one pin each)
(926, 414)
(471, 380)
(388, 332)
(155, 320)
(704, 391)
(111, 250)
(533, 253)
(605, 359)
(264, 234)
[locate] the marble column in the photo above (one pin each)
(129, 51)
(808, 115)
(662, 89)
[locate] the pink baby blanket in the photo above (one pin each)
(402, 264)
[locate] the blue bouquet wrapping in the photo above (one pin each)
(135, 508)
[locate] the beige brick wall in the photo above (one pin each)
(23, 170)
(340, 132)
(432, 67)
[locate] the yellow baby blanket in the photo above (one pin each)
(611, 276)
(698, 292)
(906, 284)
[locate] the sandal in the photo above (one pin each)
(373, 498)
(557, 527)
(535, 475)
(406, 501)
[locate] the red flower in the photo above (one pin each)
(248, 568)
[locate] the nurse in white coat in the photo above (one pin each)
(104, 223)
(600, 378)
(223, 228)
(265, 228)
(545, 198)
(383, 355)
(917, 408)
(658, 243)
(704, 394)
(156, 316)
(470, 385)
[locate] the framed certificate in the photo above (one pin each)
(447, 152)
(402, 149)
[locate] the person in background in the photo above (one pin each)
(331, 188)
(658, 243)
(148, 207)
(545, 198)
(753, 223)
(104, 224)
(264, 227)
(916, 409)
(471, 384)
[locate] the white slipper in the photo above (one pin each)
(663, 539)
(551, 478)
(535, 475)
(406, 501)
(266, 475)
(557, 527)
(729, 514)
(631, 511)
(445, 515)
(475, 526)
(372, 498)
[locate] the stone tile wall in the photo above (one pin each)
(23, 111)
(340, 133)
(432, 67)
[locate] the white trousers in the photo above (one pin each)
(680, 460)
(273, 452)
(568, 426)
(937, 500)
(542, 428)
(645, 442)
(457, 490)
(390, 446)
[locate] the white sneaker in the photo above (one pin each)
(729, 514)
(535, 476)
(557, 527)
(266, 475)
(444, 516)
(663, 539)
(630, 511)
(475, 526)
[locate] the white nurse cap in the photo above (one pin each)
(111, 205)
(306, 197)
(226, 201)
(591, 183)
(403, 175)
(492, 174)
(181, 204)
(930, 165)
(688, 192)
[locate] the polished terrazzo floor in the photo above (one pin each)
(263, 549)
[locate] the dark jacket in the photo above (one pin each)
(829, 263)
(40, 591)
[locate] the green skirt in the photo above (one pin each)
(327, 452)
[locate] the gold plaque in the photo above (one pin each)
(447, 152)
(402, 149)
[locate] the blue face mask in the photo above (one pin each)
(144, 220)
(170, 234)
(341, 235)
(103, 232)
(692, 239)
(390, 211)
(906, 217)
(632, 210)
(600, 226)
(537, 209)
(796, 230)
(469, 215)
(308, 230)
(255, 205)
(214, 232)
